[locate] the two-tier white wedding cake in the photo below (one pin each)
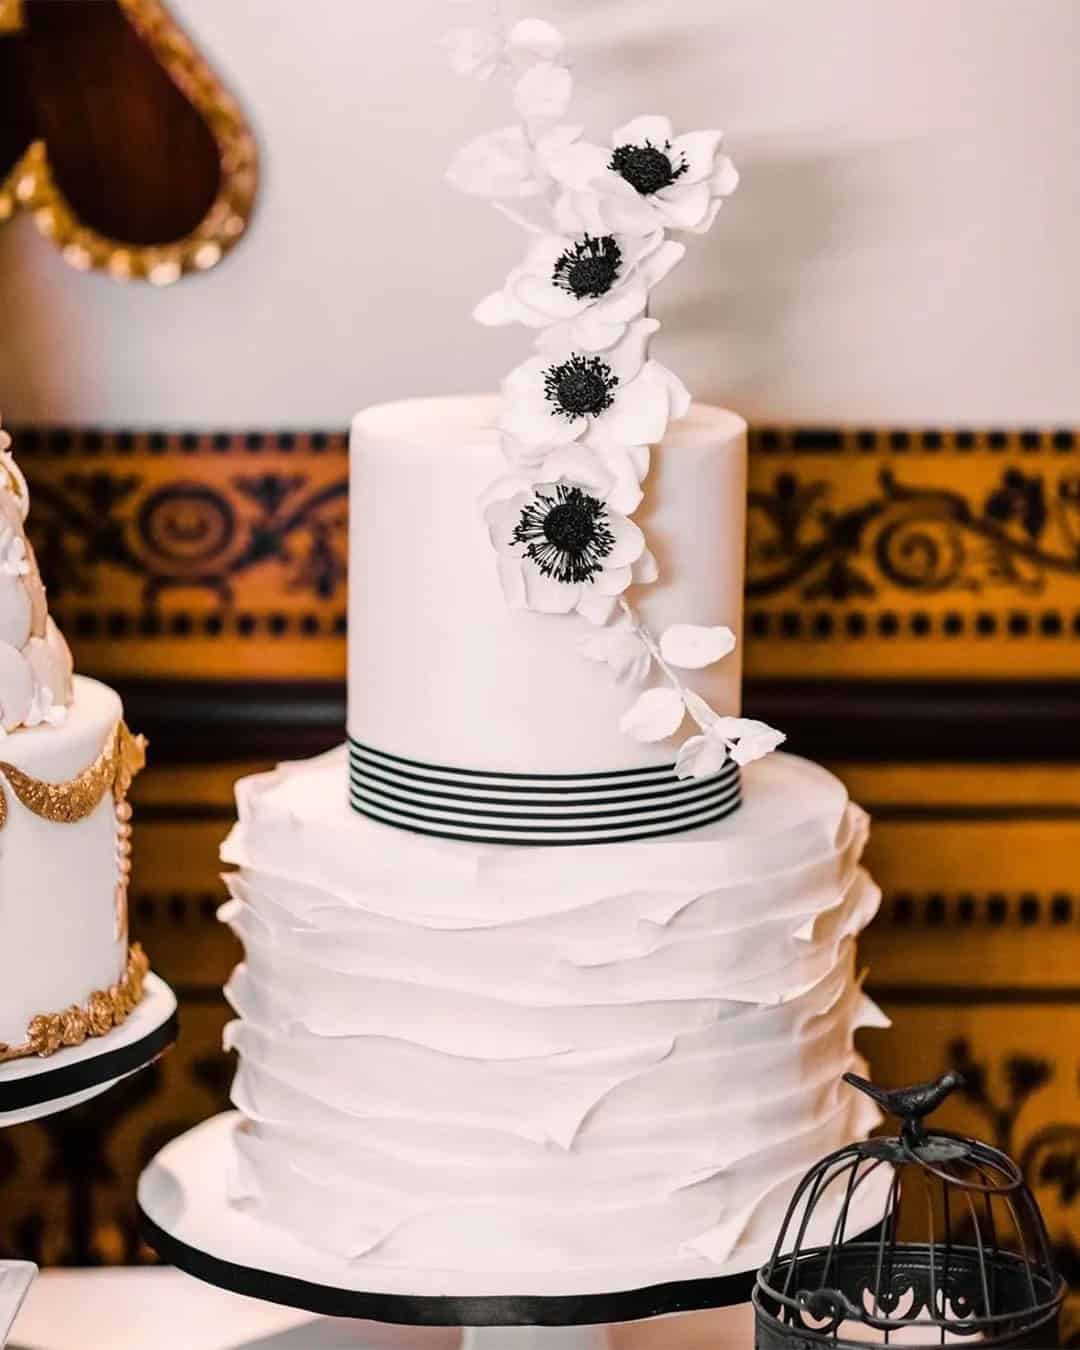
(517, 1067)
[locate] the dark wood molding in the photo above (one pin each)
(838, 720)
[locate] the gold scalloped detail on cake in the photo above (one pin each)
(64, 803)
(104, 1009)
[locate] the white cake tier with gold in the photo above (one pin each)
(442, 672)
(64, 863)
(519, 1066)
(66, 764)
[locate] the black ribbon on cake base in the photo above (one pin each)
(547, 809)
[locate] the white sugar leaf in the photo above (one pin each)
(655, 715)
(536, 37)
(690, 646)
(623, 651)
(698, 709)
(543, 91)
(472, 51)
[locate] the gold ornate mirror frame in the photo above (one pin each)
(31, 184)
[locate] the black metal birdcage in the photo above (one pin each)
(960, 1255)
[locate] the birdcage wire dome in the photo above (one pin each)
(961, 1253)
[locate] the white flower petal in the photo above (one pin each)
(679, 398)
(692, 646)
(543, 91)
(493, 310)
(629, 542)
(576, 463)
(625, 493)
(546, 300)
(577, 166)
(595, 607)
(648, 127)
(655, 715)
(658, 264)
(725, 177)
(639, 413)
(536, 37)
(502, 515)
(624, 303)
(611, 581)
(511, 580)
(710, 217)
(627, 357)
(545, 594)
(497, 164)
(684, 208)
(698, 151)
(532, 421)
(646, 570)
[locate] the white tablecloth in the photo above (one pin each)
(162, 1309)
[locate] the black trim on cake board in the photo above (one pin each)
(57, 1077)
(558, 1310)
(184, 1190)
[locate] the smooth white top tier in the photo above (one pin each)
(441, 670)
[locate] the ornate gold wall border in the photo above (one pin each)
(31, 186)
(891, 553)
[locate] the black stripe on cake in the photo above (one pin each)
(481, 806)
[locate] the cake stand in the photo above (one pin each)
(185, 1216)
(31, 1088)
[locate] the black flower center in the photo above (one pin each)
(580, 386)
(567, 534)
(648, 167)
(589, 267)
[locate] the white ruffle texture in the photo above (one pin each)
(616, 1060)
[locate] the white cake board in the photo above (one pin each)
(186, 1216)
(16, 1278)
(33, 1087)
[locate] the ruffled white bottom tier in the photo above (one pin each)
(515, 1066)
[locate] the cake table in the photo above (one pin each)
(185, 1216)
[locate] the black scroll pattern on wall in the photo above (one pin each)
(922, 539)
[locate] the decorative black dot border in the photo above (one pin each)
(117, 624)
(918, 624)
(982, 909)
(87, 442)
(768, 440)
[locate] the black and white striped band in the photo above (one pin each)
(526, 808)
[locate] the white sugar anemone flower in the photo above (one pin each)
(561, 549)
(584, 289)
(649, 179)
(617, 397)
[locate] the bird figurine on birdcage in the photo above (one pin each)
(961, 1253)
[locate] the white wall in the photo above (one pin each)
(903, 246)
